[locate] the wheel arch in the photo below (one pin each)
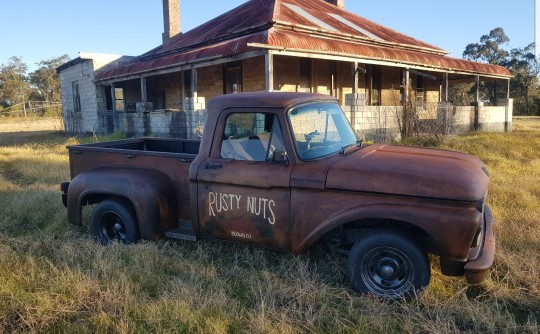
(150, 194)
(352, 231)
(353, 221)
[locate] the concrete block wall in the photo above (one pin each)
(87, 119)
(187, 124)
(377, 123)
(491, 118)
(461, 119)
(92, 98)
(509, 106)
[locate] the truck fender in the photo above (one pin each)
(429, 218)
(151, 194)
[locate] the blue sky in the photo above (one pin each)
(40, 30)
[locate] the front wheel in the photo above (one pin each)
(388, 264)
(114, 220)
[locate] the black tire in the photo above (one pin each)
(388, 264)
(114, 220)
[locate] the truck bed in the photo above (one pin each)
(169, 156)
(147, 144)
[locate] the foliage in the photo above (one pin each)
(14, 88)
(490, 50)
(45, 80)
(460, 94)
(18, 90)
(521, 62)
(525, 68)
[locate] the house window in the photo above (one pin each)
(76, 96)
(232, 77)
(304, 84)
(158, 99)
(419, 90)
(373, 85)
(119, 99)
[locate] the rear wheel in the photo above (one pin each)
(388, 264)
(114, 220)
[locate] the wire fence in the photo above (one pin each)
(431, 120)
(32, 109)
(33, 114)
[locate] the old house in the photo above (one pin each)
(382, 78)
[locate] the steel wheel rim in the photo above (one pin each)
(112, 227)
(387, 270)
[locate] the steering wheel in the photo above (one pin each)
(309, 137)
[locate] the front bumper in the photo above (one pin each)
(477, 270)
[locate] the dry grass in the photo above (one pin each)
(55, 279)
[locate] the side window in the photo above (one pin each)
(252, 136)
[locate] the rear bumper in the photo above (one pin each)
(477, 270)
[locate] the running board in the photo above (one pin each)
(184, 231)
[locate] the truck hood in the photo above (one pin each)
(410, 171)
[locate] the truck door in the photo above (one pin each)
(243, 188)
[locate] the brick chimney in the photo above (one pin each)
(339, 3)
(171, 19)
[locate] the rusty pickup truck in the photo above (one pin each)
(285, 171)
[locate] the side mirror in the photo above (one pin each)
(279, 156)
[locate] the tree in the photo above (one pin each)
(46, 81)
(460, 94)
(13, 85)
(490, 51)
(525, 67)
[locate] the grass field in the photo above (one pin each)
(55, 279)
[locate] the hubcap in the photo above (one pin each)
(386, 270)
(112, 227)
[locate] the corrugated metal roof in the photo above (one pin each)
(275, 23)
(222, 49)
(301, 41)
(322, 9)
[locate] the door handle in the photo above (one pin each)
(213, 165)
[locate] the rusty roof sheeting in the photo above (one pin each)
(301, 41)
(274, 23)
(223, 49)
(254, 15)
(323, 9)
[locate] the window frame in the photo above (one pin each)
(75, 89)
(276, 120)
(229, 68)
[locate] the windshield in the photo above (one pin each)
(320, 129)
